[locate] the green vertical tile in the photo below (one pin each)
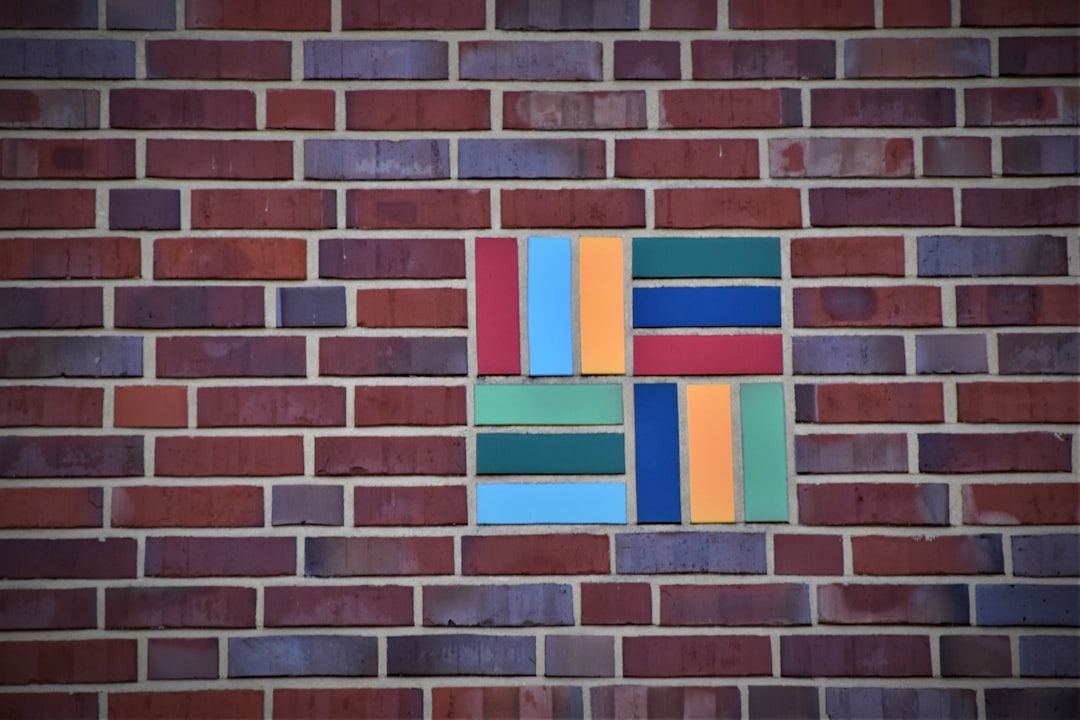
(599, 404)
(704, 257)
(764, 447)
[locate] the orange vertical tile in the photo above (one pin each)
(712, 473)
(603, 350)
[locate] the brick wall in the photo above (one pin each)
(238, 344)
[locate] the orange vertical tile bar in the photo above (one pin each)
(712, 473)
(603, 350)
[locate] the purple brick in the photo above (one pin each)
(49, 14)
(956, 157)
(951, 354)
(579, 656)
(219, 556)
(48, 609)
(968, 255)
(498, 605)
(854, 656)
(209, 306)
(784, 703)
(848, 355)
(1050, 656)
(1046, 555)
(460, 654)
(311, 307)
(530, 60)
(182, 659)
(375, 60)
(303, 655)
(763, 59)
(141, 15)
(976, 656)
(1038, 353)
(856, 703)
(1048, 605)
(577, 15)
(373, 258)
(1033, 702)
(96, 59)
(1041, 155)
(308, 505)
(71, 357)
(376, 159)
(647, 60)
(58, 109)
(1039, 55)
(690, 552)
(828, 454)
(60, 307)
(642, 701)
(71, 456)
(98, 558)
(533, 158)
(144, 209)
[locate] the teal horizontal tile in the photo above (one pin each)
(550, 503)
(549, 405)
(555, 454)
(703, 257)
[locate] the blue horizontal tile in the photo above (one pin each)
(706, 307)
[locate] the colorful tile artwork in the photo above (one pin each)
(552, 448)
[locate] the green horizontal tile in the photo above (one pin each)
(557, 454)
(549, 405)
(704, 257)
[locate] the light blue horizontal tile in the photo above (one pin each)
(550, 503)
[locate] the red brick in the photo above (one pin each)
(223, 159)
(146, 607)
(410, 405)
(851, 604)
(898, 306)
(647, 60)
(870, 403)
(229, 456)
(1039, 55)
(158, 109)
(1018, 402)
(840, 207)
(211, 506)
(50, 507)
(51, 609)
(843, 256)
(712, 605)
(528, 701)
(976, 656)
(917, 13)
(939, 555)
(348, 703)
(289, 209)
(683, 15)
(366, 556)
(763, 59)
(61, 108)
(207, 704)
(1024, 106)
(336, 605)
(774, 14)
(189, 307)
(257, 15)
(1022, 504)
(841, 157)
(36, 158)
(874, 504)
(64, 258)
(614, 208)
(67, 661)
(411, 506)
(405, 455)
(883, 107)
(916, 57)
(730, 108)
(412, 307)
(1017, 305)
(747, 207)
(187, 557)
(566, 554)
(696, 656)
(230, 258)
(219, 59)
(956, 157)
(36, 406)
(46, 208)
(70, 705)
(237, 356)
(418, 109)
(95, 558)
(413, 15)
(71, 456)
(417, 209)
(645, 701)
(49, 14)
(1003, 13)
(547, 110)
(808, 554)
(878, 656)
(995, 452)
(590, 15)
(300, 109)
(182, 659)
(1021, 207)
(616, 603)
(391, 258)
(268, 406)
(707, 158)
(150, 406)
(393, 356)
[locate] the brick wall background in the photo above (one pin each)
(237, 346)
